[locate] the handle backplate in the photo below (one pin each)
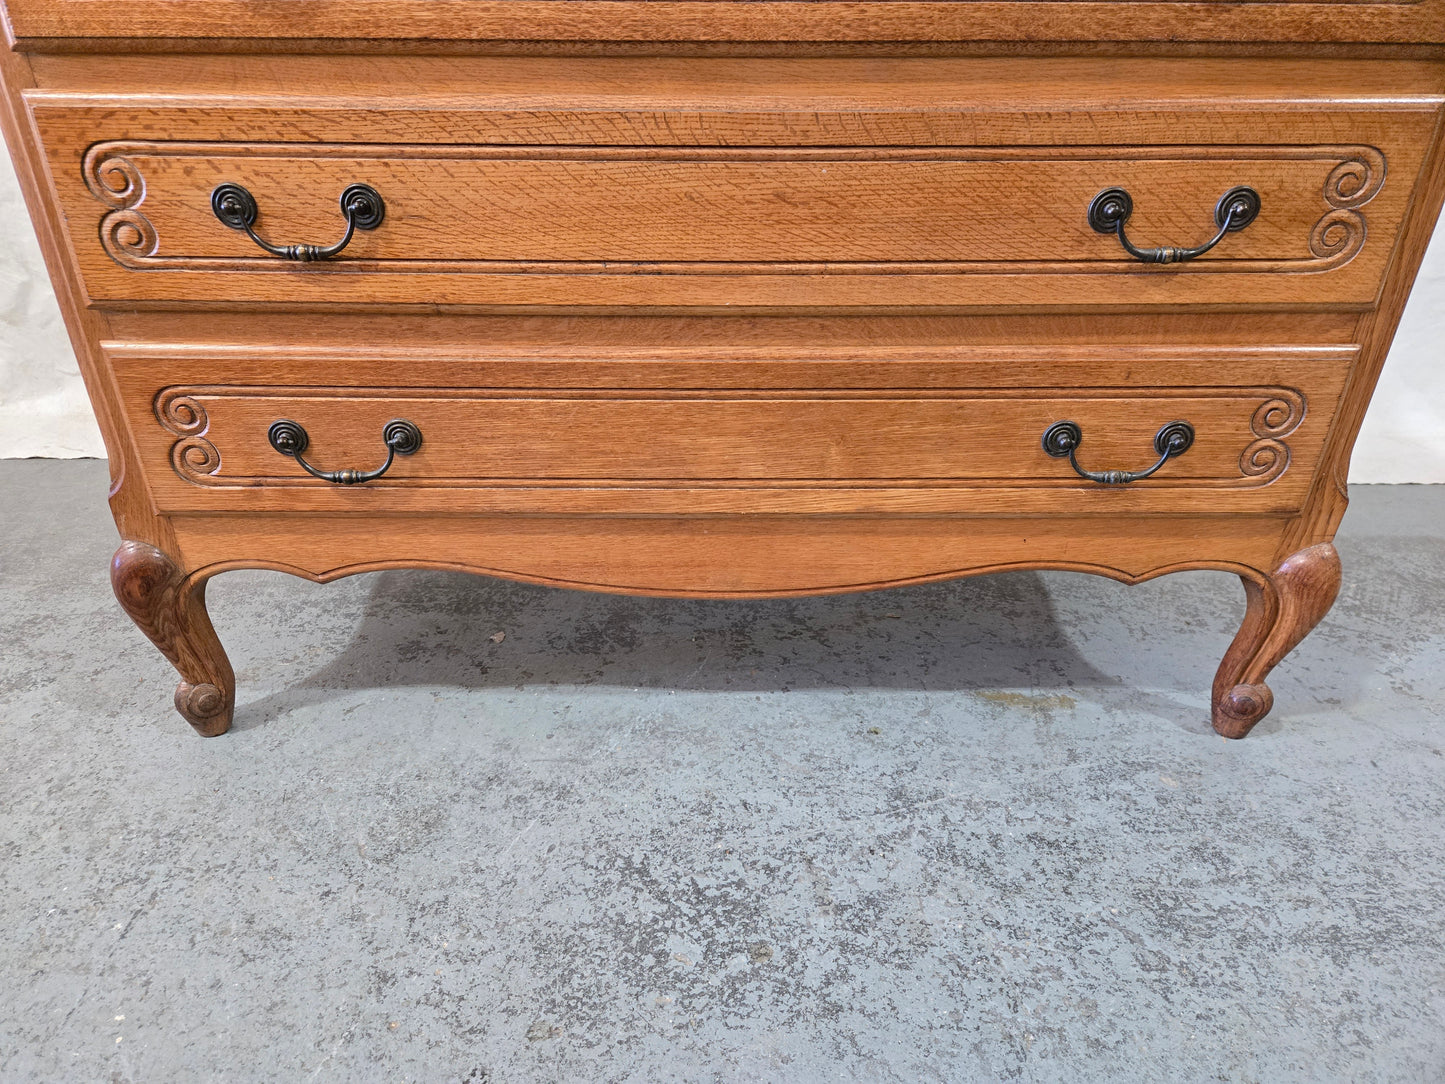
(1111, 209)
(290, 438)
(360, 203)
(1063, 439)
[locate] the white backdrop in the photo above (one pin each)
(44, 410)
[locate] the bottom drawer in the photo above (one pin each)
(677, 449)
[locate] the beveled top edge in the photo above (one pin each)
(1380, 22)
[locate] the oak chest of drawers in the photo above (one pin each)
(729, 299)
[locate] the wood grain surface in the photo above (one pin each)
(715, 20)
(783, 319)
(885, 430)
(171, 610)
(718, 225)
(768, 555)
(1282, 609)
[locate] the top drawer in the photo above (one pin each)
(880, 185)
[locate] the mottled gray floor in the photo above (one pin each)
(968, 831)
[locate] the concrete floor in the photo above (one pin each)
(968, 831)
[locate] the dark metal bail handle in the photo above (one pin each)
(1112, 207)
(290, 439)
(360, 203)
(1063, 439)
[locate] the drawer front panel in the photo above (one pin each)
(679, 449)
(550, 438)
(936, 211)
(773, 226)
(955, 186)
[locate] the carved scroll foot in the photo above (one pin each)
(154, 591)
(1281, 613)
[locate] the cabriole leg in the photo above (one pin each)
(1281, 613)
(153, 590)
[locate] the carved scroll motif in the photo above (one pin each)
(1338, 236)
(126, 234)
(1267, 456)
(193, 457)
(1356, 176)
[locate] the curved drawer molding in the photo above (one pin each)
(781, 225)
(937, 446)
(1267, 456)
(981, 203)
(1340, 234)
(183, 415)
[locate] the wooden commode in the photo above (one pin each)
(718, 299)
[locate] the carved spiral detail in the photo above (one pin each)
(193, 456)
(180, 413)
(1356, 181)
(199, 703)
(1264, 460)
(1278, 417)
(1338, 236)
(125, 233)
(113, 178)
(1268, 456)
(128, 235)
